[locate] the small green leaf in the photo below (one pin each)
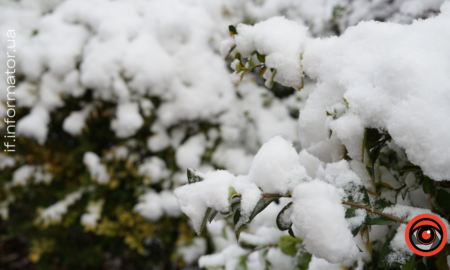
(330, 133)
(346, 103)
(328, 114)
(379, 220)
(443, 198)
(243, 262)
(237, 216)
(193, 176)
(429, 186)
(231, 49)
(263, 70)
(231, 194)
(212, 215)
(261, 58)
(205, 218)
(291, 232)
(283, 226)
(250, 64)
(232, 30)
(303, 260)
(288, 245)
(385, 251)
(224, 233)
(272, 78)
(410, 264)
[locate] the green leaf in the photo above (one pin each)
(231, 194)
(430, 262)
(271, 78)
(429, 186)
(443, 198)
(263, 70)
(237, 216)
(250, 63)
(232, 30)
(379, 204)
(379, 220)
(303, 260)
(280, 224)
(385, 251)
(291, 232)
(346, 103)
(193, 176)
(212, 215)
(224, 233)
(243, 262)
(441, 263)
(410, 264)
(205, 218)
(231, 49)
(262, 204)
(261, 58)
(288, 245)
(349, 213)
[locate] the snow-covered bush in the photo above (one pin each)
(376, 150)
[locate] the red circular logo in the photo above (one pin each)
(426, 235)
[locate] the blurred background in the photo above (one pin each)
(114, 100)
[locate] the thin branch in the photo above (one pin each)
(371, 210)
(375, 211)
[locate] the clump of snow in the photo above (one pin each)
(319, 219)
(35, 124)
(75, 122)
(406, 99)
(153, 169)
(276, 167)
(22, 174)
(128, 120)
(321, 264)
(54, 213)
(192, 252)
(229, 258)
(6, 161)
(153, 205)
(281, 40)
(212, 192)
(339, 175)
(92, 215)
(96, 168)
(189, 154)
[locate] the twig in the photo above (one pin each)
(375, 211)
(369, 209)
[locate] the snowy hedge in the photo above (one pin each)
(375, 140)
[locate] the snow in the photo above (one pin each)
(192, 252)
(321, 264)
(189, 154)
(128, 120)
(35, 124)
(92, 215)
(153, 206)
(381, 95)
(53, 213)
(212, 192)
(154, 169)
(280, 40)
(316, 205)
(96, 168)
(276, 167)
(6, 161)
(401, 251)
(75, 122)
(22, 174)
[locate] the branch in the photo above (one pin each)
(274, 195)
(375, 211)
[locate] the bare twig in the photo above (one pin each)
(369, 209)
